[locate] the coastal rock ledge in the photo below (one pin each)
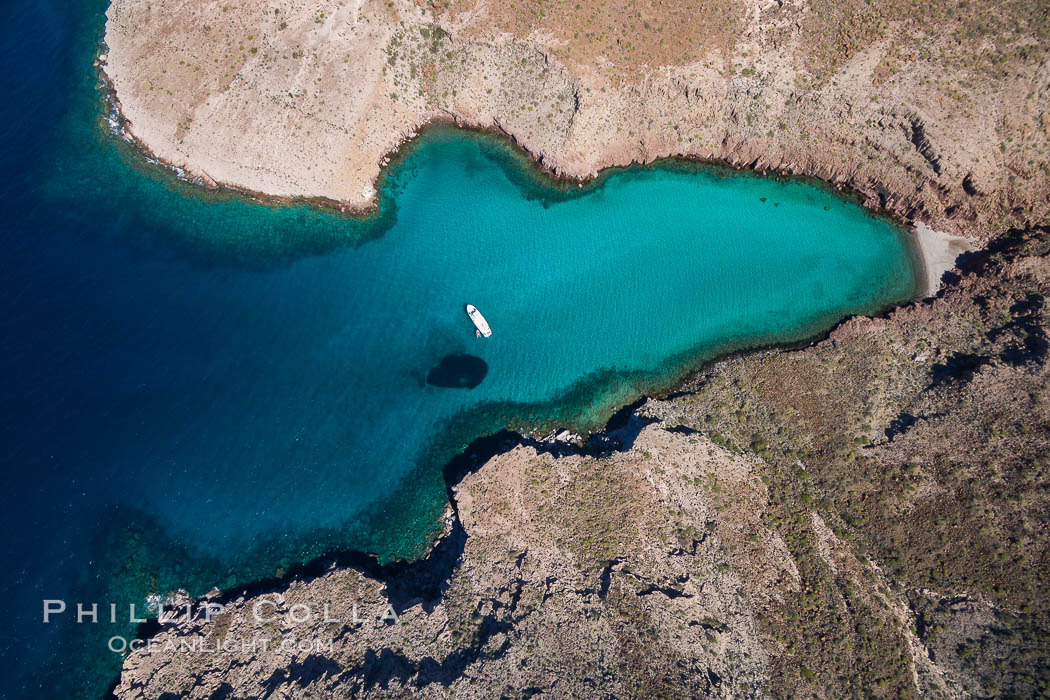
(937, 113)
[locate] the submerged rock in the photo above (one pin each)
(458, 372)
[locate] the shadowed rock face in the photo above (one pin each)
(458, 372)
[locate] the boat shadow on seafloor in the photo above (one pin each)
(458, 371)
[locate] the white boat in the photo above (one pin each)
(479, 321)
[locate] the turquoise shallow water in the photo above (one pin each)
(201, 390)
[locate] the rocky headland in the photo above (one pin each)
(862, 517)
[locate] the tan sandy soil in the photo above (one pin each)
(938, 251)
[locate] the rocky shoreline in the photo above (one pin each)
(935, 251)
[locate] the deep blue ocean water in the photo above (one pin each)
(199, 390)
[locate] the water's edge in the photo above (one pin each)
(551, 182)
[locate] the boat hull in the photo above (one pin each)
(479, 321)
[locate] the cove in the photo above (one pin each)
(202, 390)
(256, 409)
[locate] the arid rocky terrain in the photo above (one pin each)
(866, 516)
(937, 111)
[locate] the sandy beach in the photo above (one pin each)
(939, 251)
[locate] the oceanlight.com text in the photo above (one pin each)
(206, 645)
